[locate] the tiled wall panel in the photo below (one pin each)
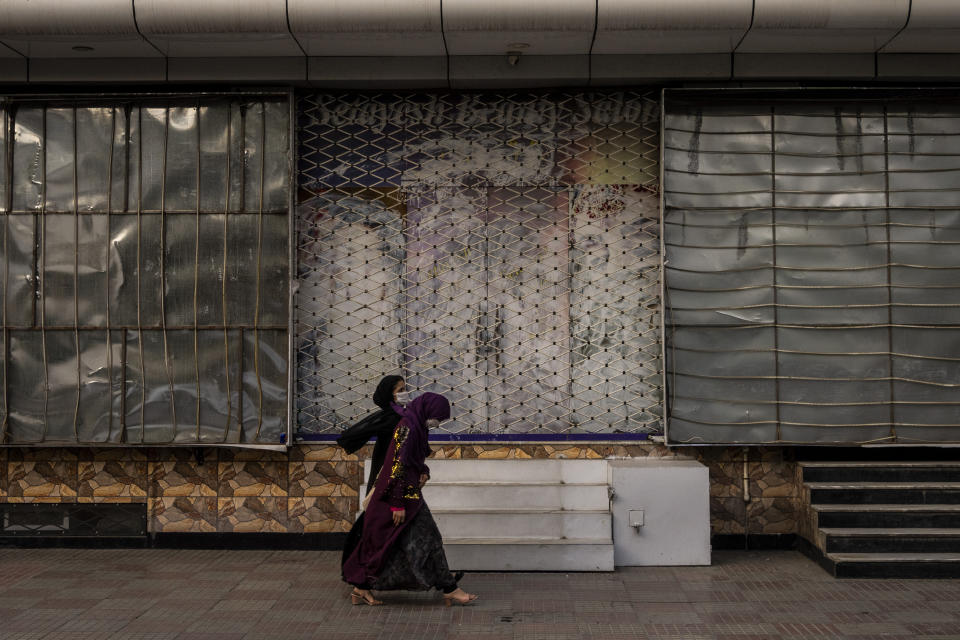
(315, 488)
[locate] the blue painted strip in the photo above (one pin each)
(507, 437)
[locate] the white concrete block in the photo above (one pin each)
(571, 497)
(523, 515)
(532, 556)
(675, 498)
(494, 470)
(523, 524)
(583, 471)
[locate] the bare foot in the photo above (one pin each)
(459, 596)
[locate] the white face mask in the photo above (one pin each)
(432, 423)
(403, 397)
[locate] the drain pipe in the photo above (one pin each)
(746, 499)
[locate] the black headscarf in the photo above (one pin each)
(379, 425)
(383, 396)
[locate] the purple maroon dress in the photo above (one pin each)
(408, 556)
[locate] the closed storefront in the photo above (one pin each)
(811, 278)
(499, 249)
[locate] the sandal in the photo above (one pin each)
(367, 598)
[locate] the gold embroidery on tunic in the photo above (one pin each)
(396, 470)
(399, 437)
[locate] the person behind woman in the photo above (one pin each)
(400, 546)
(379, 425)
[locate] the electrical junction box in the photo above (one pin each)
(673, 526)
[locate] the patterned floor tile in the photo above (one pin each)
(280, 595)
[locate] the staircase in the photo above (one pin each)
(885, 519)
(523, 515)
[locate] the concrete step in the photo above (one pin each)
(882, 471)
(887, 515)
(903, 540)
(917, 464)
(883, 485)
(522, 515)
(529, 554)
(907, 531)
(884, 492)
(898, 557)
(886, 518)
(492, 495)
(495, 524)
(894, 565)
(523, 471)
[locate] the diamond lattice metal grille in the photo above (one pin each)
(500, 249)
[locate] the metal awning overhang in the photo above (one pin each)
(469, 43)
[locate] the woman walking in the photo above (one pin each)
(400, 546)
(379, 425)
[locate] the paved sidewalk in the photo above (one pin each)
(165, 594)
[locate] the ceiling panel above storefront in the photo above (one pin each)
(217, 28)
(479, 44)
(671, 26)
(400, 28)
(823, 26)
(934, 27)
(535, 27)
(53, 29)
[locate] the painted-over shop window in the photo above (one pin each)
(811, 273)
(501, 249)
(145, 268)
